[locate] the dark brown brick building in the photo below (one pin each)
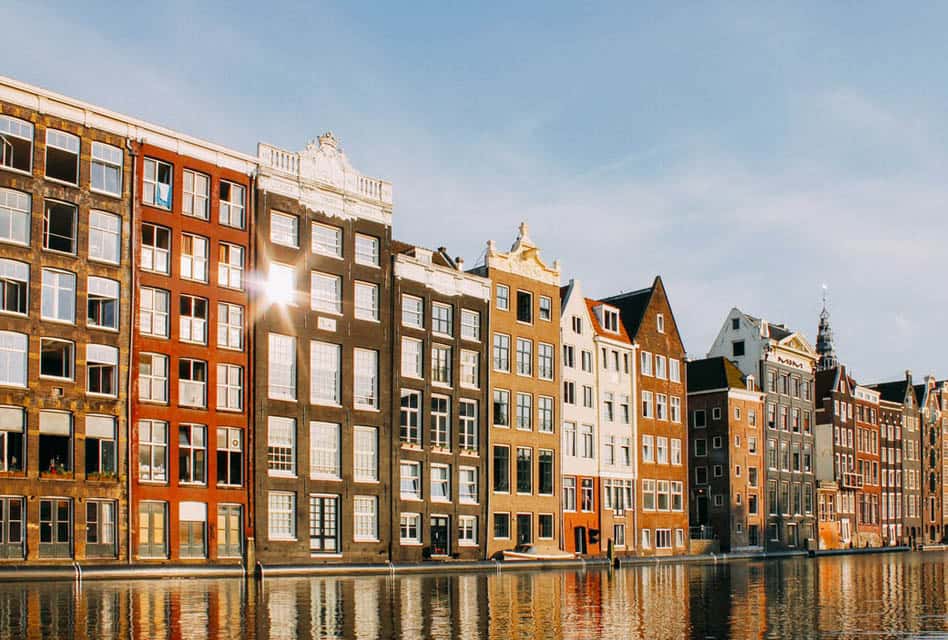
(323, 359)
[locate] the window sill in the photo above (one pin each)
(277, 474)
(366, 540)
(229, 486)
(329, 312)
(376, 481)
(462, 543)
(19, 171)
(101, 328)
(101, 395)
(373, 320)
(270, 539)
(409, 543)
(319, 554)
(367, 409)
(409, 498)
(326, 478)
(62, 182)
(231, 409)
(56, 379)
(58, 321)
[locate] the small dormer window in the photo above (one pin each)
(735, 324)
(660, 322)
(610, 320)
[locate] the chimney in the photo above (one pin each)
(459, 261)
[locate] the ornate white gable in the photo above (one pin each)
(523, 259)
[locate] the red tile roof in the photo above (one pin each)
(622, 336)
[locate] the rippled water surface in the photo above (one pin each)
(891, 595)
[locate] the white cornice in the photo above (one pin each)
(446, 281)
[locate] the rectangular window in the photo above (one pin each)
(152, 451)
(55, 443)
(230, 326)
(545, 361)
(470, 368)
(503, 297)
(59, 296)
(102, 370)
(284, 229)
(62, 156)
(100, 529)
(230, 456)
(524, 307)
(647, 408)
(14, 287)
(413, 311)
(674, 370)
(660, 366)
(230, 266)
(232, 205)
(467, 531)
(366, 250)
(501, 352)
(648, 495)
(441, 364)
(194, 254)
(229, 530)
(524, 470)
(57, 358)
(281, 367)
(410, 417)
(366, 301)
(327, 240)
(325, 292)
(103, 303)
(468, 425)
(106, 169)
(100, 447)
(409, 528)
(16, 144)
(156, 248)
(15, 213)
(12, 428)
(153, 378)
(524, 357)
(467, 485)
(501, 469)
(281, 512)
(192, 454)
(676, 451)
(192, 320)
(197, 194)
(410, 480)
(545, 414)
(366, 519)
(365, 454)
(501, 526)
(661, 406)
(192, 383)
(325, 373)
(440, 422)
(545, 526)
(366, 374)
(501, 408)
(524, 411)
(281, 446)
(546, 308)
(646, 358)
(440, 483)
(230, 387)
(324, 450)
(442, 318)
(675, 409)
(156, 184)
(545, 463)
(324, 523)
(470, 324)
(105, 235)
(152, 530)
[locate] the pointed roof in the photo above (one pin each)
(632, 307)
(824, 340)
(709, 374)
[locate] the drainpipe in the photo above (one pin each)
(250, 552)
(132, 147)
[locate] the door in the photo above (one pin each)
(229, 525)
(702, 509)
(524, 528)
(579, 534)
(439, 536)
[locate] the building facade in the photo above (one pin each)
(525, 447)
(930, 425)
(784, 362)
(660, 380)
(726, 454)
(868, 465)
(440, 332)
(322, 352)
(65, 191)
(836, 448)
(892, 478)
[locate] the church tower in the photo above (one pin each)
(824, 340)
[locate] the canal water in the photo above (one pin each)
(888, 595)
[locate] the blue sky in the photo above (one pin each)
(746, 153)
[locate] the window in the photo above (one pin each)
(153, 315)
(16, 144)
(105, 234)
(192, 383)
(545, 526)
(441, 364)
(410, 480)
(230, 326)
(569, 356)
(156, 248)
(587, 396)
(545, 471)
(660, 366)
(661, 450)
(442, 318)
(546, 308)
(229, 530)
(524, 411)
(324, 450)
(366, 301)
(232, 205)
(524, 357)
(677, 493)
(410, 417)
(230, 387)
(646, 358)
(410, 528)
(675, 409)
(60, 227)
(440, 422)
(281, 446)
(501, 407)
(55, 442)
(470, 368)
(325, 292)
(230, 266)
(675, 451)
(647, 407)
(153, 378)
(324, 523)
(366, 250)
(467, 531)
(103, 303)
(663, 539)
(365, 518)
(661, 406)
(366, 372)
(609, 451)
(57, 358)
(13, 359)
(62, 156)
(100, 446)
(325, 369)
(545, 361)
(327, 240)
(524, 307)
(524, 470)
(468, 425)
(194, 258)
(467, 485)
(12, 427)
(660, 322)
(569, 392)
(284, 229)
(365, 454)
(230, 456)
(100, 528)
(192, 454)
(501, 469)
(587, 361)
(501, 525)
(106, 169)
(102, 370)
(59, 296)
(545, 414)
(152, 451)
(152, 533)
(55, 524)
(440, 483)
(192, 320)
(413, 311)
(282, 367)
(610, 319)
(197, 193)
(470, 324)
(701, 475)
(646, 538)
(618, 534)
(14, 286)
(281, 511)
(503, 297)
(156, 184)
(501, 352)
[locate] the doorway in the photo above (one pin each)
(439, 536)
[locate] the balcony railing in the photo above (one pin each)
(702, 532)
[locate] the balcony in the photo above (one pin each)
(702, 532)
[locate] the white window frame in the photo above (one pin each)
(287, 529)
(287, 232)
(325, 373)
(368, 257)
(193, 195)
(325, 450)
(151, 314)
(366, 296)
(318, 242)
(105, 231)
(325, 292)
(284, 387)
